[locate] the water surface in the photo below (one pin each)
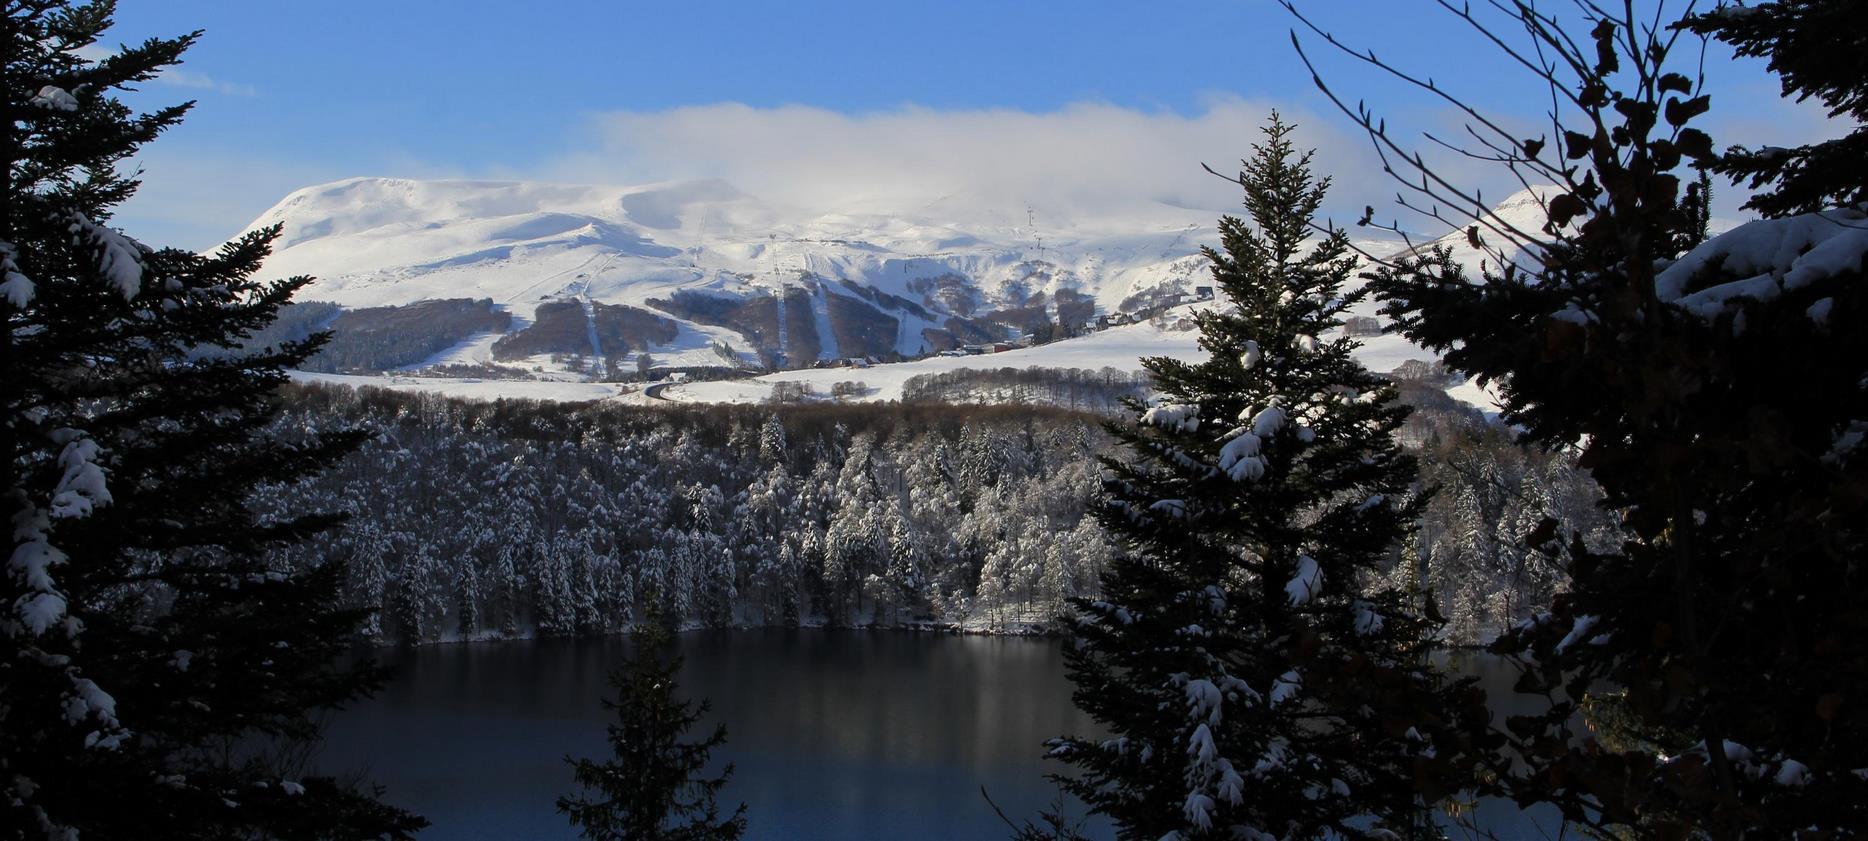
(835, 735)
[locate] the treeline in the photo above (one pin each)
(374, 339)
(1079, 389)
(513, 519)
(473, 520)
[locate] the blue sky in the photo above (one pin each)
(292, 94)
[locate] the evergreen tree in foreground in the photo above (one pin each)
(652, 790)
(152, 661)
(1259, 676)
(1718, 392)
(1817, 48)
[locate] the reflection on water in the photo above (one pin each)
(835, 734)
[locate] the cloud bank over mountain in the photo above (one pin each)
(1086, 160)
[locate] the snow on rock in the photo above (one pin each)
(1770, 257)
(1308, 581)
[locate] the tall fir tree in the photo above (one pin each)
(1257, 679)
(1818, 49)
(654, 788)
(146, 636)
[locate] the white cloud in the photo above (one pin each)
(1089, 164)
(201, 81)
(1091, 160)
(175, 76)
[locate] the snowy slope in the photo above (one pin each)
(376, 241)
(1523, 214)
(381, 242)
(1121, 348)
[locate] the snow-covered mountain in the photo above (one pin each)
(1521, 215)
(782, 288)
(583, 281)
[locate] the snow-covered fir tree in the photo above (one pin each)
(1256, 677)
(145, 631)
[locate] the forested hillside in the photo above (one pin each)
(518, 519)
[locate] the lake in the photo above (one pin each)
(834, 734)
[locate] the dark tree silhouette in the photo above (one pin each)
(655, 787)
(154, 659)
(1714, 389)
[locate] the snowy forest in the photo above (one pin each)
(474, 520)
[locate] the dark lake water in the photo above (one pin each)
(835, 734)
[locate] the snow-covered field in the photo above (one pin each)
(1121, 348)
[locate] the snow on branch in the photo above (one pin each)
(1308, 581)
(55, 98)
(15, 287)
(82, 488)
(1770, 257)
(120, 258)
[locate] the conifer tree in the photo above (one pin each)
(654, 788)
(1256, 678)
(144, 633)
(1817, 48)
(1714, 389)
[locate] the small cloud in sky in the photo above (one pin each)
(176, 76)
(201, 81)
